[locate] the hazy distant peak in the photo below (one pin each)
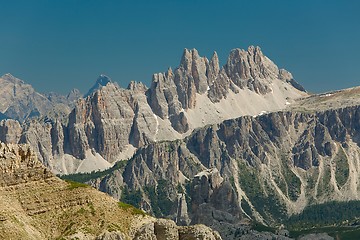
(9, 77)
(101, 81)
(73, 95)
(137, 86)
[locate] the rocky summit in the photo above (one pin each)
(111, 122)
(37, 205)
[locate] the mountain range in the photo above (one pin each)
(220, 146)
(111, 122)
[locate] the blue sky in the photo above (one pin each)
(60, 45)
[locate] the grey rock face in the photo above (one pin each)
(10, 131)
(247, 68)
(19, 100)
(164, 229)
(111, 236)
(182, 217)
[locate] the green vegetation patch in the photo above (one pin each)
(170, 147)
(340, 233)
(342, 168)
(113, 227)
(246, 207)
(132, 209)
(324, 188)
(287, 180)
(262, 228)
(330, 213)
(132, 197)
(292, 181)
(73, 185)
(85, 177)
(268, 205)
(160, 202)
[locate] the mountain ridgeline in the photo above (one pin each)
(110, 123)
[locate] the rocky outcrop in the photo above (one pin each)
(20, 165)
(167, 229)
(212, 200)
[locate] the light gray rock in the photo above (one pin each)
(20, 101)
(116, 235)
(182, 217)
(164, 229)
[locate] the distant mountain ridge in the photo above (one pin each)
(20, 101)
(111, 122)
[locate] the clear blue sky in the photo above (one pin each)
(65, 44)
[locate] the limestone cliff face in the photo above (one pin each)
(37, 205)
(242, 168)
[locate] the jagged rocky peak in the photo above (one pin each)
(246, 67)
(192, 70)
(250, 63)
(74, 95)
(286, 76)
(137, 86)
(9, 77)
(189, 57)
(197, 93)
(214, 66)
